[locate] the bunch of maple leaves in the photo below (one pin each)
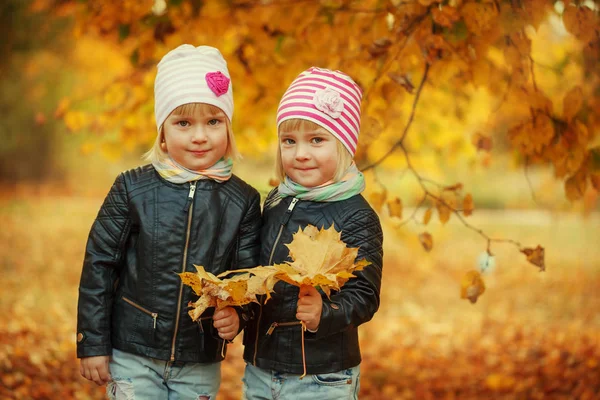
(319, 259)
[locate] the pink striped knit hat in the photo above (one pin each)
(330, 99)
(191, 74)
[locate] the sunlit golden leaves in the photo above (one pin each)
(572, 103)
(576, 185)
(471, 286)
(535, 11)
(377, 199)
(479, 17)
(468, 205)
(595, 181)
(235, 291)
(444, 211)
(427, 216)
(445, 15)
(379, 47)
(581, 21)
(482, 142)
(535, 256)
(426, 241)
(500, 382)
(395, 207)
(531, 136)
(403, 80)
(319, 258)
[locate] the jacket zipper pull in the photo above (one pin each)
(154, 316)
(190, 198)
(272, 328)
(288, 212)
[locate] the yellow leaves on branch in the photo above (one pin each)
(479, 17)
(582, 22)
(472, 286)
(319, 258)
(531, 136)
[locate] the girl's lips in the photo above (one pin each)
(199, 153)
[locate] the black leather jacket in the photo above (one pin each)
(147, 231)
(334, 346)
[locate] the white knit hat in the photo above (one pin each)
(191, 74)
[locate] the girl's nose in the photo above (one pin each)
(302, 153)
(199, 135)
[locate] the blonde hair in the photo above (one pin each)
(156, 153)
(344, 158)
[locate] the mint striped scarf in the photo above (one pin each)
(350, 185)
(173, 172)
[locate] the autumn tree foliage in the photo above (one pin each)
(420, 64)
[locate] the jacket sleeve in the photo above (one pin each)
(248, 249)
(358, 300)
(101, 267)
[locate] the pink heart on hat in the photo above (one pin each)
(217, 82)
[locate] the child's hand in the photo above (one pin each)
(227, 323)
(95, 369)
(310, 305)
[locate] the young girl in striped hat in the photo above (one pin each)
(318, 124)
(184, 208)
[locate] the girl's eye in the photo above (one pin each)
(288, 141)
(213, 121)
(183, 124)
(317, 140)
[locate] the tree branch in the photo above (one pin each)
(408, 124)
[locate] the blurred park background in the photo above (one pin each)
(479, 136)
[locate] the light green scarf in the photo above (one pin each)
(350, 185)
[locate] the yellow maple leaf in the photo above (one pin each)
(320, 258)
(472, 286)
(235, 291)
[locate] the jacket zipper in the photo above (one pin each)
(286, 218)
(142, 309)
(276, 324)
(190, 201)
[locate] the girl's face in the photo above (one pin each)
(309, 156)
(196, 140)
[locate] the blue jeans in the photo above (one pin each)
(140, 378)
(260, 384)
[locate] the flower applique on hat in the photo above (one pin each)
(329, 101)
(217, 82)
